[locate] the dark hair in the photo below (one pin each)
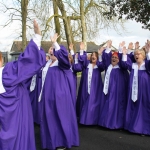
(96, 53)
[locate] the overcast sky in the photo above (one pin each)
(134, 33)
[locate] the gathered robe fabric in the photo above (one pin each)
(75, 69)
(137, 118)
(34, 95)
(58, 118)
(16, 120)
(114, 103)
(88, 105)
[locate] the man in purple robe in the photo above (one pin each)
(16, 120)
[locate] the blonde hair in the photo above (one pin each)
(141, 51)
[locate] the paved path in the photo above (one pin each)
(98, 138)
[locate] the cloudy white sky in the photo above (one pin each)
(134, 33)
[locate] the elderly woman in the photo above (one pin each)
(90, 90)
(115, 90)
(138, 111)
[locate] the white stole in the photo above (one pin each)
(2, 89)
(107, 77)
(135, 80)
(33, 83)
(90, 72)
(44, 73)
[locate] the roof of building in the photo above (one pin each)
(17, 46)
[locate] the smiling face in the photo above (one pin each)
(139, 56)
(94, 57)
(52, 57)
(114, 59)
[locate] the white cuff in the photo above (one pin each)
(148, 56)
(81, 52)
(100, 58)
(76, 61)
(124, 57)
(37, 39)
(56, 46)
(71, 52)
(107, 50)
(120, 49)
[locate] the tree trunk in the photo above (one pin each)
(65, 21)
(83, 24)
(24, 6)
(56, 20)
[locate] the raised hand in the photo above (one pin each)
(130, 46)
(82, 46)
(54, 38)
(124, 50)
(36, 28)
(100, 50)
(122, 44)
(109, 44)
(137, 45)
(147, 46)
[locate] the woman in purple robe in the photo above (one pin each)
(16, 120)
(138, 111)
(115, 90)
(58, 118)
(90, 90)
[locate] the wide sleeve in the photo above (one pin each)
(147, 62)
(62, 56)
(100, 64)
(82, 58)
(77, 67)
(131, 56)
(126, 63)
(27, 65)
(106, 57)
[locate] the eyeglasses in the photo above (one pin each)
(137, 53)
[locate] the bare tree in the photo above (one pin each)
(16, 10)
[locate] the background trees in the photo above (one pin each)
(74, 20)
(139, 10)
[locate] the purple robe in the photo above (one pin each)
(34, 95)
(137, 113)
(16, 120)
(76, 68)
(88, 105)
(58, 118)
(114, 103)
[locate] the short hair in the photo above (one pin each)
(141, 51)
(96, 53)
